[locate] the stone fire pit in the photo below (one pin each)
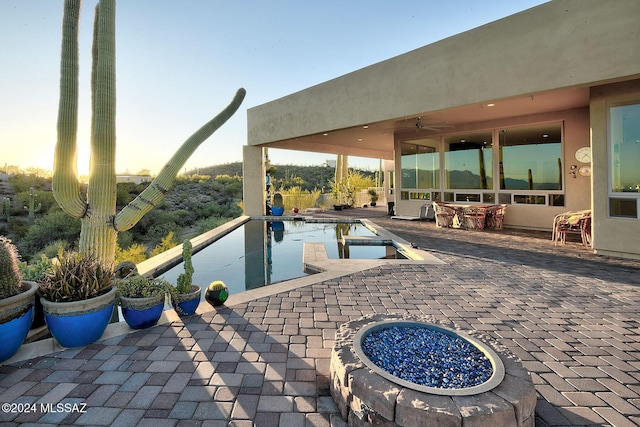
(380, 376)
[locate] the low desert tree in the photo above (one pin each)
(97, 210)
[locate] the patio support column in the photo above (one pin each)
(253, 181)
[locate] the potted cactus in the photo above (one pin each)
(78, 297)
(142, 299)
(17, 298)
(187, 299)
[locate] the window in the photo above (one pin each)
(468, 162)
(420, 164)
(624, 166)
(517, 165)
(531, 158)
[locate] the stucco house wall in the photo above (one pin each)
(611, 236)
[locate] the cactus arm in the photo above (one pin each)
(66, 187)
(156, 191)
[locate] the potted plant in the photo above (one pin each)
(373, 197)
(142, 299)
(17, 298)
(78, 297)
(36, 271)
(278, 205)
(187, 296)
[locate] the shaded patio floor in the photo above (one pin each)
(571, 316)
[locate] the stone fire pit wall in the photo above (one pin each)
(364, 397)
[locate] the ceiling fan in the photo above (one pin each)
(418, 124)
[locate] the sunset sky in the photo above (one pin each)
(179, 62)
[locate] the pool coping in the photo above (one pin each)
(323, 269)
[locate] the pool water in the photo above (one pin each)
(261, 253)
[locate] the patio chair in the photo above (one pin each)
(444, 215)
(585, 229)
(474, 218)
(576, 222)
(495, 216)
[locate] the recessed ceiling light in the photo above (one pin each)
(359, 139)
(491, 105)
(325, 134)
(365, 127)
(545, 135)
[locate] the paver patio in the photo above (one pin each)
(570, 316)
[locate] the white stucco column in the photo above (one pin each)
(253, 181)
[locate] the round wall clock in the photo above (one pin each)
(583, 154)
(585, 170)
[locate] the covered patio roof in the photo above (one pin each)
(376, 139)
(540, 60)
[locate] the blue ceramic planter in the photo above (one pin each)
(277, 211)
(79, 323)
(186, 304)
(141, 313)
(16, 316)
(13, 334)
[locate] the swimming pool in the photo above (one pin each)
(260, 252)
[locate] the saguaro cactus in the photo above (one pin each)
(100, 222)
(32, 208)
(6, 208)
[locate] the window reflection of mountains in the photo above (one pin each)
(468, 180)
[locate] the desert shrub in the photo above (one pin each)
(166, 243)
(136, 253)
(53, 249)
(345, 190)
(21, 183)
(296, 197)
(229, 186)
(127, 191)
(183, 217)
(47, 229)
(125, 239)
(158, 231)
(154, 226)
